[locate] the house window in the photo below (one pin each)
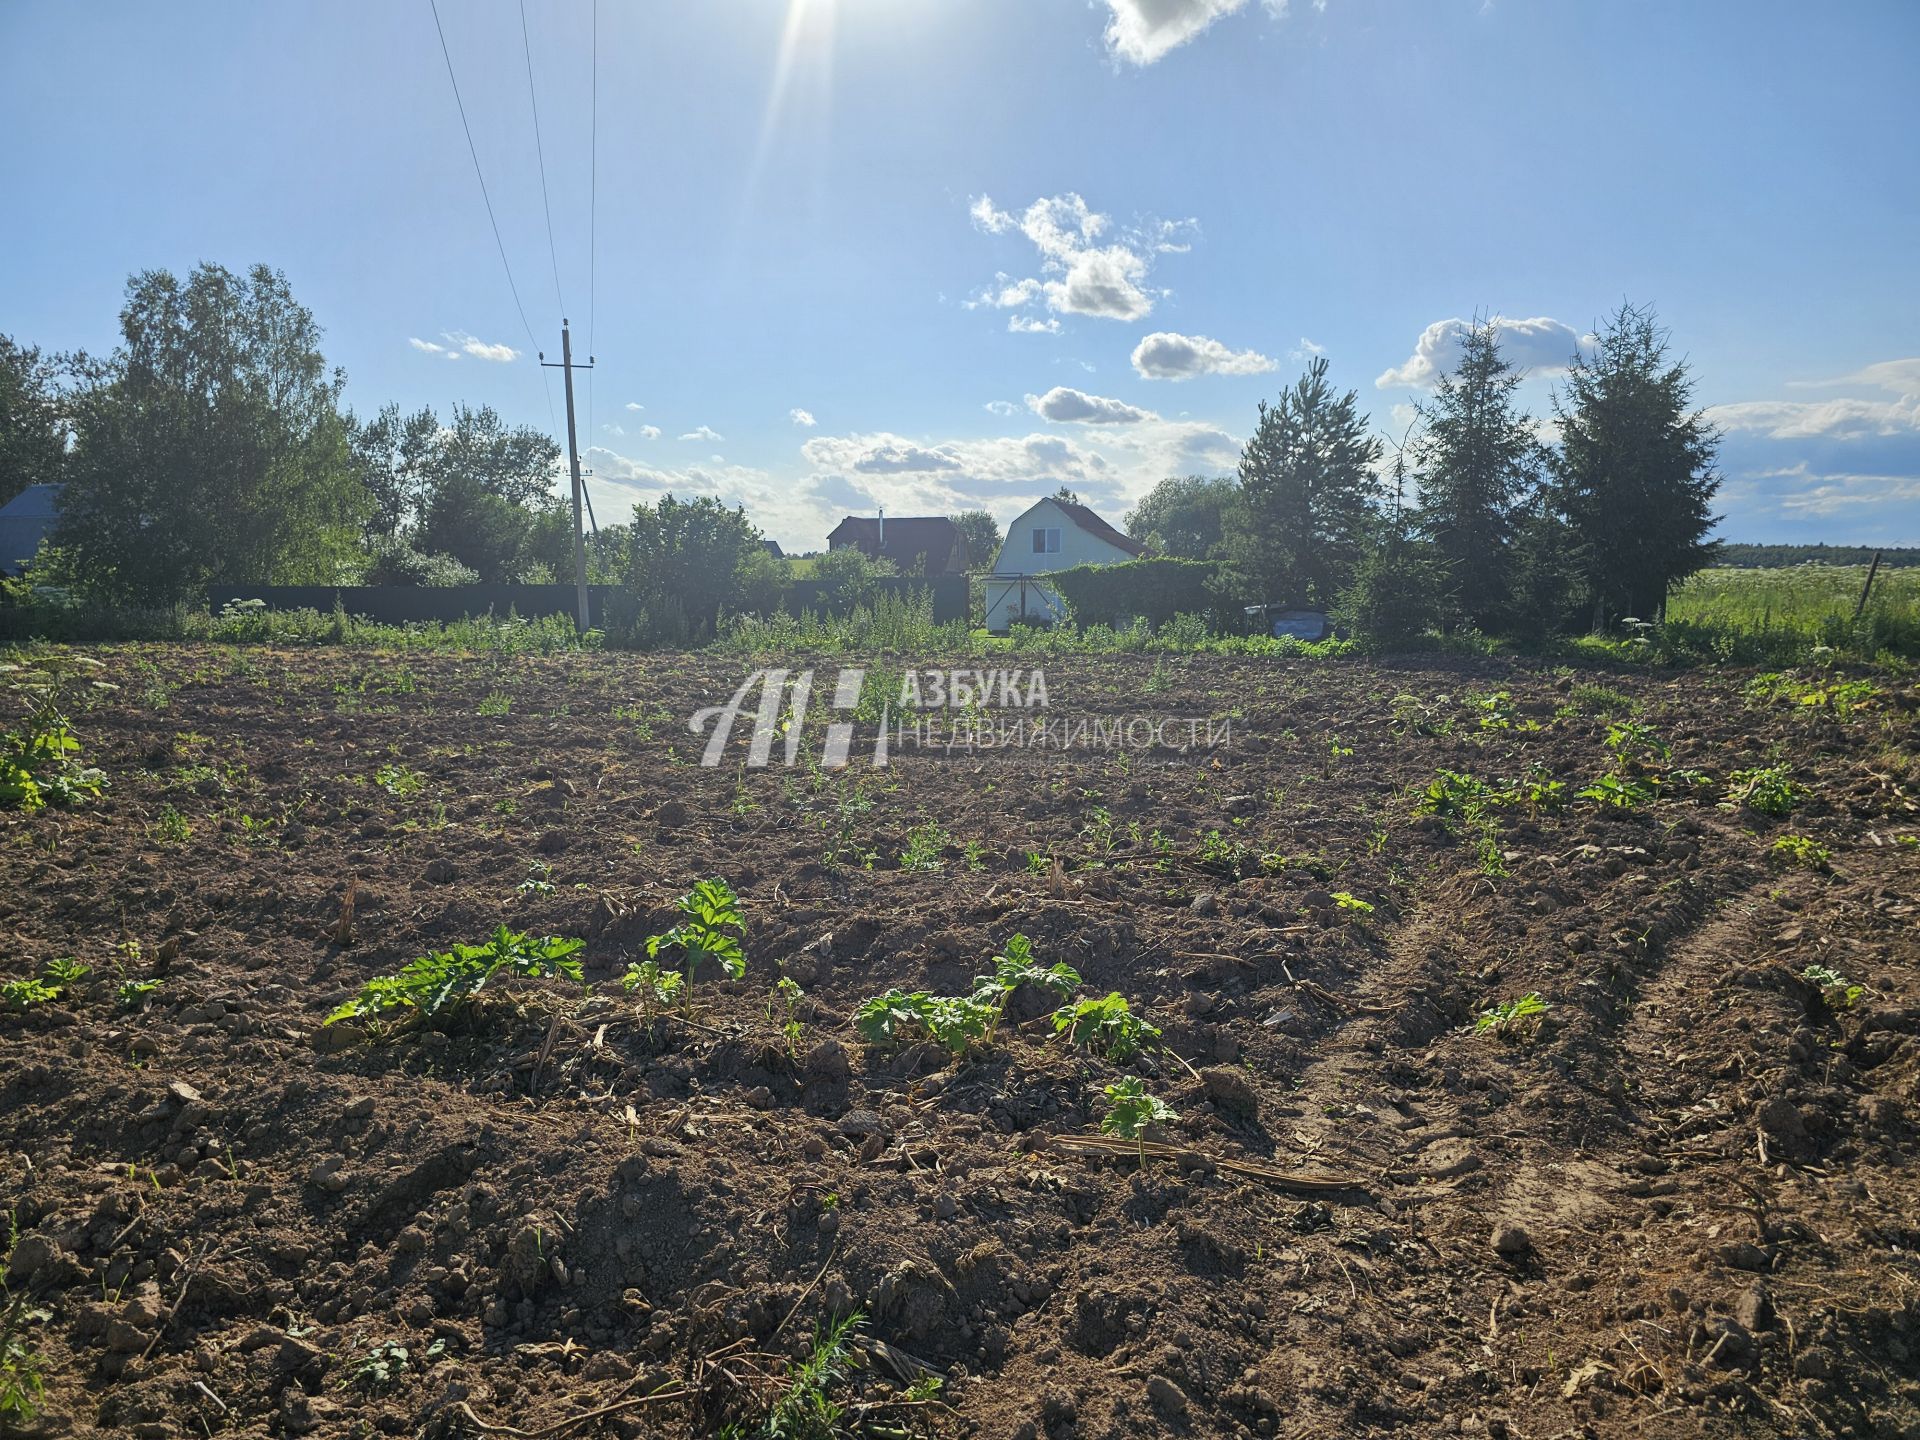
(1046, 539)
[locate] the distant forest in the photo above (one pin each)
(1768, 557)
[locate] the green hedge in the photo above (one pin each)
(1155, 589)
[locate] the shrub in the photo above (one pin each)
(1395, 598)
(1157, 590)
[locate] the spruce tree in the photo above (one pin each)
(1635, 476)
(1479, 463)
(1308, 491)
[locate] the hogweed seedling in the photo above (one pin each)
(1351, 906)
(1106, 1026)
(1130, 1110)
(1513, 1019)
(712, 930)
(1018, 966)
(442, 981)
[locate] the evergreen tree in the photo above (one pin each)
(1307, 492)
(1479, 460)
(1635, 476)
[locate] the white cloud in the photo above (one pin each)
(993, 462)
(1001, 407)
(1539, 345)
(1830, 419)
(1900, 376)
(1033, 325)
(1142, 31)
(1306, 350)
(613, 429)
(460, 343)
(1165, 355)
(1078, 276)
(1063, 403)
(802, 418)
(703, 432)
(635, 406)
(649, 432)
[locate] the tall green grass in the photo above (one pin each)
(1790, 614)
(252, 624)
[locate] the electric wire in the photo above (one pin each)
(481, 177)
(540, 151)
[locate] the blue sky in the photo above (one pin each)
(933, 254)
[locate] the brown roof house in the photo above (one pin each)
(916, 544)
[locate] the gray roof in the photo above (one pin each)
(25, 521)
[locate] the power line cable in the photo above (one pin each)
(540, 151)
(481, 177)
(593, 210)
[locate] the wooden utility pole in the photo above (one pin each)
(567, 367)
(1867, 589)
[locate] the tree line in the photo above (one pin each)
(213, 445)
(1476, 520)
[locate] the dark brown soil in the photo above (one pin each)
(1687, 1203)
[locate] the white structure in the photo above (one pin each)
(1052, 535)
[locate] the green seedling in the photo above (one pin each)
(1768, 790)
(398, 781)
(925, 846)
(1350, 905)
(1622, 792)
(954, 1022)
(132, 994)
(1130, 1110)
(805, 1409)
(39, 763)
(787, 994)
(1016, 967)
(1800, 852)
(172, 827)
(439, 983)
(1513, 1019)
(890, 1017)
(1835, 988)
(1631, 740)
(1107, 1027)
(656, 988)
(712, 930)
(22, 1366)
(539, 879)
(383, 1367)
(67, 972)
